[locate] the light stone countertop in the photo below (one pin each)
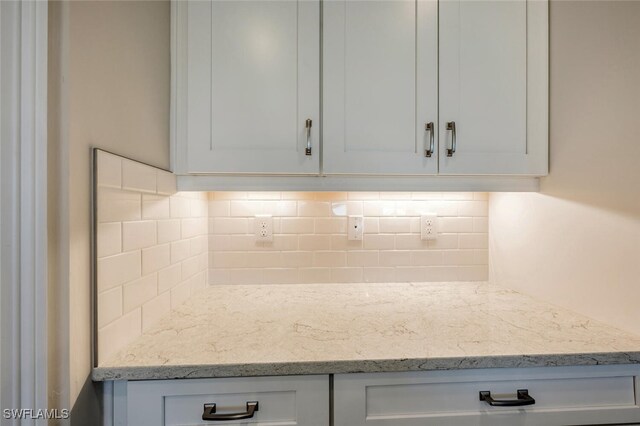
(226, 331)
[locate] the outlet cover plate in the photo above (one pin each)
(429, 227)
(355, 228)
(263, 227)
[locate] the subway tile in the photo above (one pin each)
(193, 227)
(229, 225)
(190, 267)
(481, 257)
(379, 275)
(314, 208)
(330, 196)
(169, 277)
(346, 275)
(455, 224)
(168, 230)
(118, 269)
(109, 173)
(155, 207)
(139, 291)
(116, 335)
(155, 258)
(409, 242)
(426, 195)
(314, 275)
(229, 195)
(218, 276)
(179, 206)
(331, 225)
(264, 195)
(341, 242)
(155, 309)
(296, 259)
(371, 225)
(198, 282)
(395, 225)
(444, 241)
(481, 196)
(109, 306)
(297, 195)
(458, 257)
(329, 259)
(480, 224)
(166, 182)
(138, 177)
(314, 242)
(379, 208)
(280, 276)
(297, 225)
(198, 245)
(395, 258)
(473, 208)
(115, 205)
(473, 241)
(473, 273)
(426, 257)
(379, 241)
(109, 239)
(219, 208)
(390, 195)
(366, 258)
(179, 250)
(137, 235)
(198, 208)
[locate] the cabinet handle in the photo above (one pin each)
(210, 410)
(308, 127)
(451, 125)
(428, 127)
(522, 394)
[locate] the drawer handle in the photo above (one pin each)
(523, 399)
(210, 413)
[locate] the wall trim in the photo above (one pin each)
(23, 196)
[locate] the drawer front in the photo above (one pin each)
(290, 401)
(563, 396)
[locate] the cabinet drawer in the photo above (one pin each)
(291, 401)
(563, 396)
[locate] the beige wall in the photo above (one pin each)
(577, 243)
(110, 89)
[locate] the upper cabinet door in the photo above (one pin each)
(493, 87)
(250, 71)
(380, 87)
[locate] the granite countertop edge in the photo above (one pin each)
(164, 372)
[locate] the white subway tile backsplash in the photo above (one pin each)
(148, 237)
(155, 207)
(138, 177)
(155, 258)
(109, 173)
(109, 306)
(140, 234)
(109, 239)
(118, 269)
(135, 293)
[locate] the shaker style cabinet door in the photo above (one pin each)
(380, 87)
(493, 62)
(248, 86)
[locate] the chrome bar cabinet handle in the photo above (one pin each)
(308, 124)
(428, 127)
(451, 125)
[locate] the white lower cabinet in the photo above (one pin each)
(290, 401)
(555, 396)
(563, 396)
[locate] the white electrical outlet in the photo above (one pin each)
(263, 228)
(355, 228)
(429, 226)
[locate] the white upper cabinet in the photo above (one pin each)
(493, 87)
(380, 87)
(406, 88)
(248, 86)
